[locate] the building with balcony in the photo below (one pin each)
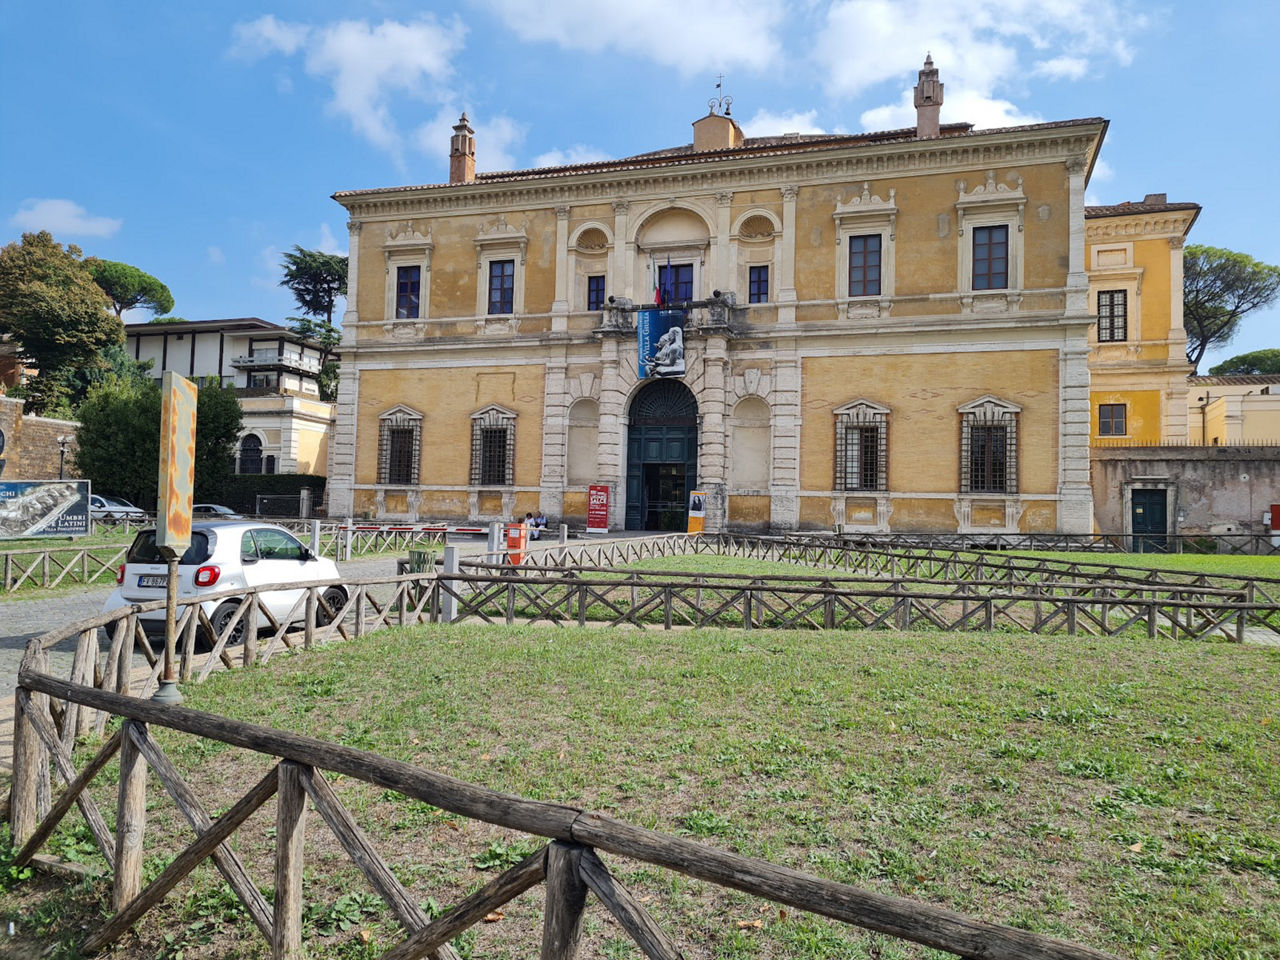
(274, 373)
(886, 331)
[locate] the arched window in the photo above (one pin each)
(250, 454)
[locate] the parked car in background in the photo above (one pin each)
(102, 507)
(225, 556)
(213, 511)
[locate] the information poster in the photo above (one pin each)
(697, 511)
(44, 508)
(660, 343)
(597, 508)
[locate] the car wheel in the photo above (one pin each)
(222, 616)
(334, 598)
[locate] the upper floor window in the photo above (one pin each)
(864, 265)
(1111, 419)
(595, 292)
(758, 285)
(989, 447)
(502, 286)
(862, 446)
(1113, 315)
(675, 280)
(991, 257)
(493, 447)
(408, 292)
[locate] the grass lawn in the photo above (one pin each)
(1122, 793)
(1227, 565)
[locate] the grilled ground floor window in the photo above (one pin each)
(1112, 419)
(493, 447)
(399, 446)
(862, 446)
(989, 447)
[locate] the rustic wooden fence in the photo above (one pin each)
(1252, 544)
(55, 566)
(569, 865)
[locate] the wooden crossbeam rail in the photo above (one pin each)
(53, 566)
(569, 865)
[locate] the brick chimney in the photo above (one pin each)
(462, 152)
(928, 97)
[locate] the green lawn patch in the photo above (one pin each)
(1123, 793)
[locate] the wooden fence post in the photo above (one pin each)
(291, 820)
(309, 625)
(448, 597)
(131, 817)
(28, 752)
(250, 651)
(566, 898)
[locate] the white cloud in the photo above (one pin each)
(766, 123)
(986, 51)
(365, 65)
(328, 243)
(495, 139)
(690, 37)
(1063, 68)
(215, 255)
(578, 153)
(1102, 171)
(63, 218)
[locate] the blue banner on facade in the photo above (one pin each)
(660, 346)
(44, 508)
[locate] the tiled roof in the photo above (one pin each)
(1129, 207)
(1237, 379)
(752, 147)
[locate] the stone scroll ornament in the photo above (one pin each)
(660, 343)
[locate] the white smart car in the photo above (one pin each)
(225, 556)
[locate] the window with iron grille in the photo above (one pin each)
(595, 292)
(862, 447)
(408, 290)
(1111, 419)
(758, 285)
(250, 454)
(1113, 315)
(399, 446)
(864, 266)
(502, 286)
(991, 258)
(493, 447)
(989, 448)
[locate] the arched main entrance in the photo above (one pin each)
(662, 456)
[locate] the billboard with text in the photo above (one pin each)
(44, 508)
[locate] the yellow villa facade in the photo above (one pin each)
(1138, 348)
(888, 332)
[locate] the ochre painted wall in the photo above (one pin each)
(922, 393)
(447, 398)
(1142, 416)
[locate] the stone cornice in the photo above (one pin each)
(839, 164)
(1171, 224)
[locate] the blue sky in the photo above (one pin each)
(200, 141)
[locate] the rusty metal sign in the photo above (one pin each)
(177, 464)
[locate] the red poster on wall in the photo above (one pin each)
(597, 508)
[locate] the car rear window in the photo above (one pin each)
(144, 549)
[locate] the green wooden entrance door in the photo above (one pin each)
(1149, 513)
(662, 456)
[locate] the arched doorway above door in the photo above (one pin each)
(662, 456)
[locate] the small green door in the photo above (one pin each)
(1150, 521)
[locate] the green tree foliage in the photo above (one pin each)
(316, 280)
(327, 336)
(128, 287)
(118, 442)
(1257, 362)
(58, 316)
(1219, 287)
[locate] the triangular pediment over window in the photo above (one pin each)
(862, 406)
(989, 405)
(494, 412)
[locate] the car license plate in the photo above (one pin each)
(149, 580)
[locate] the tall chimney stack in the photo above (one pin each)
(928, 96)
(462, 152)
